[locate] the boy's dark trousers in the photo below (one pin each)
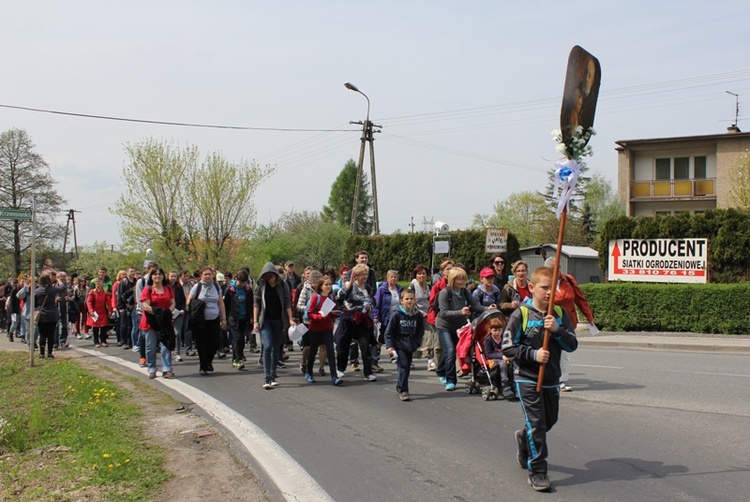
(541, 410)
(404, 360)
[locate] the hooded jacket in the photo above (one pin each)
(405, 330)
(521, 345)
(281, 289)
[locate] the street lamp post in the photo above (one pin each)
(367, 136)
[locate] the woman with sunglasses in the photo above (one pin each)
(497, 263)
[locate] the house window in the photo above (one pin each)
(700, 167)
(663, 213)
(663, 169)
(681, 168)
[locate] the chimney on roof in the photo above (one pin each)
(733, 129)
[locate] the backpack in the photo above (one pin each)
(197, 309)
(315, 298)
(525, 316)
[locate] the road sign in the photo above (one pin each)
(12, 213)
(496, 240)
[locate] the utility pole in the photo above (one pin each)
(71, 218)
(367, 137)
(412, 224)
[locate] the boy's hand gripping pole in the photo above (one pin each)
(553, 290)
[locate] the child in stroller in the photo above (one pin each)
(474, 355)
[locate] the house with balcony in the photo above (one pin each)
(669, 175)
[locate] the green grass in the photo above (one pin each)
(57, 404)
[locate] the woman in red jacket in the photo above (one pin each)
(97, 303)
(321, 330)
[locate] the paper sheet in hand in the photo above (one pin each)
(298, 332)
(327, 306)
(593, 329)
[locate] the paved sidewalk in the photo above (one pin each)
(699, 342)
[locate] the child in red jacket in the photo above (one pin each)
(321, 329)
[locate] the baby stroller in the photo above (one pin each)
(473, 360)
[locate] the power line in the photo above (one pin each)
(170, 123)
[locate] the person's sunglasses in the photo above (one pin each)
(499, 263)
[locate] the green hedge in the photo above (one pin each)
(403, 252)
(696, 308)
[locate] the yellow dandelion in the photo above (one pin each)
(127, 460)
(118, 464)
(89, 437)
(93, 466)
(106, 455)
(110, 466)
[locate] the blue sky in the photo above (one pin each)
(467, 92)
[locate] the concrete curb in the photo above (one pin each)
(696, 344)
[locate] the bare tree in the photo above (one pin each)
(24, 175)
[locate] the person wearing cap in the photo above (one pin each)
(487, 293)
(292, 278)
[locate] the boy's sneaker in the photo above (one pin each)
(142, 362)
(309, 378)
(136, 348)
(355, 366)
(336, 381)
(564, 387)
(221, 354)
(240, 364)
(340, 374)
(540, 482)
(234, 363)
(521, 456)
(371, 378)
(267, 384)
(404, 396)
(443, 380)
(302, 368)
(280, 365)
(274, 383)
(376, 369)
(508, 393)
(178, 358)
(450, 387)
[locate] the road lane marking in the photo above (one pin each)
(597, 366)
(707, 373)
(292, 480)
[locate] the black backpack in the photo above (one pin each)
(197, 309)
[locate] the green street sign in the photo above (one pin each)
(11, 213)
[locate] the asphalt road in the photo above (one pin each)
(640, 425)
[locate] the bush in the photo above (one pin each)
(695, 308)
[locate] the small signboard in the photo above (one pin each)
(12, 213)
(658, 260)
(496, 240)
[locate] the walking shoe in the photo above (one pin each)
(322, 372)
(203, 372)
(210, 368)
(240, 364)
(41, 356)
(340, 374)
(167, 374)
(221, 354)
(254, 350)
(78, 336)
(55, 346)
(376, 369)
(521, 456)
(105, 344)
(450, 387)
(309, 378)
(280, 365)
(443, 380)
(302, 368)
(394, 359)
(97, 345)
(285, 357)
(87, 337)
(565, 387)
(267, 384)
(178, 358)
(336, 381)
(152, 375)
(540, 482)
(50, 356)
(412, 366)
(274, 383)
(126, 346)
(234, 363)
(136, 348)
(371, 378)
(355, 366)
(260, 360)
(404, 396)
(142, 362)
(120, 344)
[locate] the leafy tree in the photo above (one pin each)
(523, 213)
(304, 237)
(189, 212)
(603, 201)
(341, 200)
(25, 175)
(739, 192)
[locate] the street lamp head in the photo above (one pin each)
(351, 87)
